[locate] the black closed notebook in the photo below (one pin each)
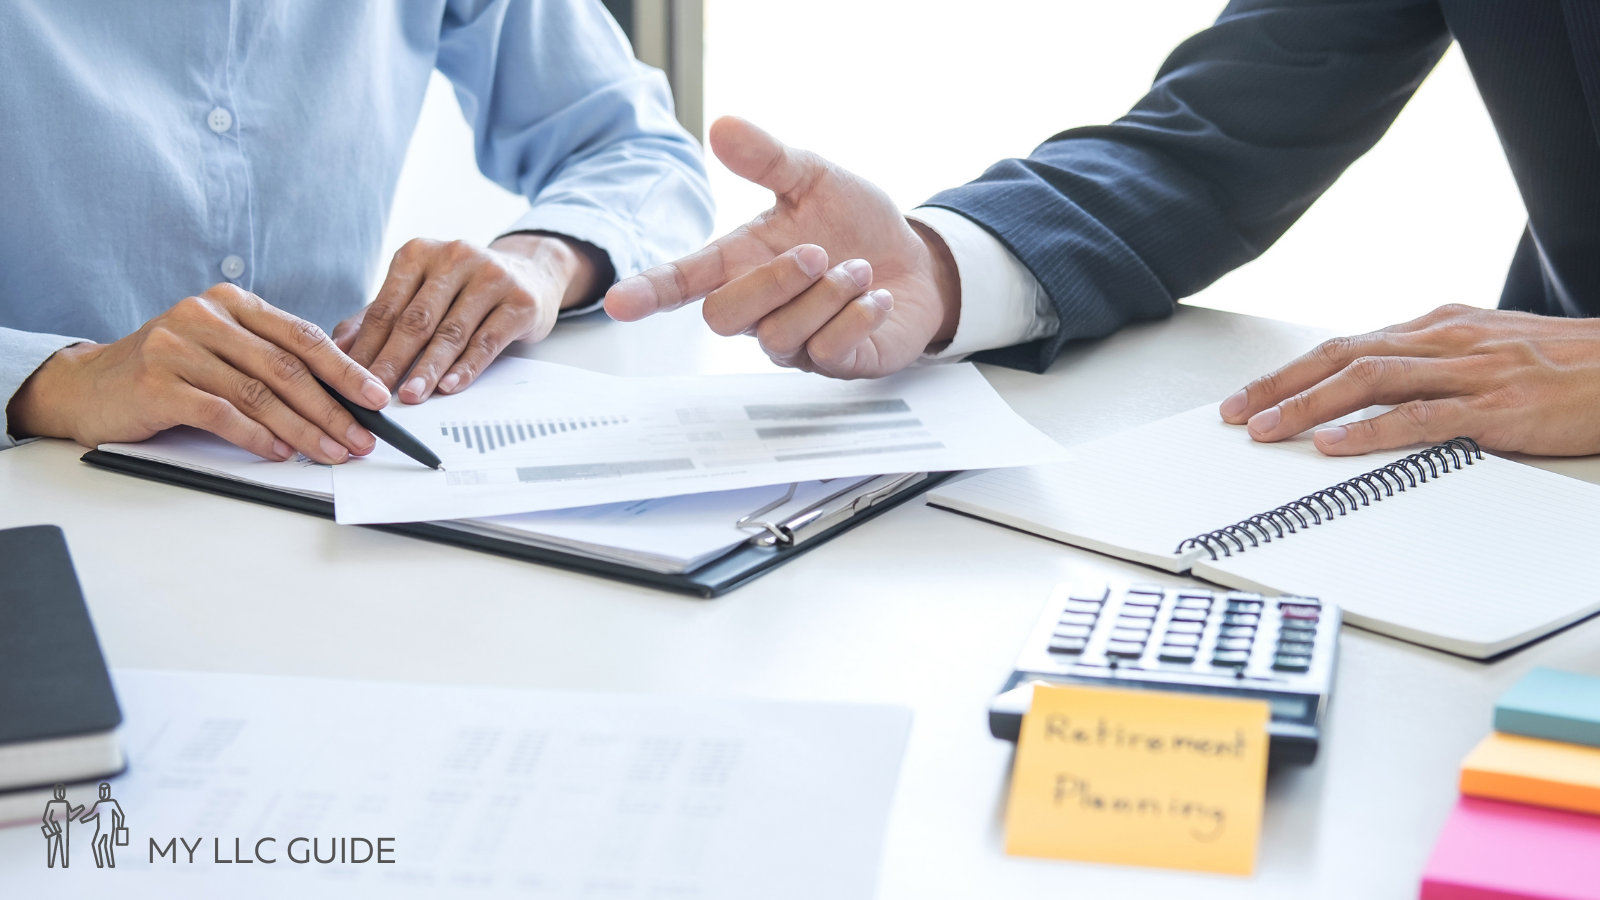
(58, 712)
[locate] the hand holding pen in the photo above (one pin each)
(386, 430)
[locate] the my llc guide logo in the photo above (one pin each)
(111, 831)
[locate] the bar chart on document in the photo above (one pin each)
(524, 446)
(681, 440)
(491, 435)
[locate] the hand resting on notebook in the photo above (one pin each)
(1509, 380)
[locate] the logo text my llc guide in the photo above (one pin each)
(298, 850)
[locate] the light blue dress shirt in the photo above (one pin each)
(153, 149)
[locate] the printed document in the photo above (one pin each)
(551, 437)
(247, 786)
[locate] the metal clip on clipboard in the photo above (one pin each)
(822, 515)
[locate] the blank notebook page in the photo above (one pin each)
(1477, 561)
(1138, 493)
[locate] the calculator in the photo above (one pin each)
(1224, 643)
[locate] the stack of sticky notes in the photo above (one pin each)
(1528, 822)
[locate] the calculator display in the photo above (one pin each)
(1288, 707)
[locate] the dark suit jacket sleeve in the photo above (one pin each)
(1247, 123)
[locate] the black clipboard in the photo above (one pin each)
(777, 543)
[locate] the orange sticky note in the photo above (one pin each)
(1142, 778)
(1529, 770)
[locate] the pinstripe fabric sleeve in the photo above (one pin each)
(1248, 122)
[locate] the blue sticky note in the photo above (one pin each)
(1553, 705)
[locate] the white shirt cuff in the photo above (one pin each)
(1002, 303)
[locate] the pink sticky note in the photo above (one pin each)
(1491, 849)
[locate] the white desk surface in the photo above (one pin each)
(921, 607)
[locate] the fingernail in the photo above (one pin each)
(415, 387)
(281, 450)
(449, 382)
(375, 393)
(812, 260)
(1234, 405)
(859, 271)
(360, 437)
(882, 299)
(1332, 434)
(333, 450)
(1266, 420)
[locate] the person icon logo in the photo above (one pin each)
(58, 816)
(109, 830)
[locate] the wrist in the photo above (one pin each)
(946, 279)
(43, 405)
(576, 269)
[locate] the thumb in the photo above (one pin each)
(754, 155)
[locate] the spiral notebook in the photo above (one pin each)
(1443, 545)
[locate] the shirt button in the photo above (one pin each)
(232, 267)
(220, 120)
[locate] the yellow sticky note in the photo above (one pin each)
(1144, 778)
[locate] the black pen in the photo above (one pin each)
(385, 429)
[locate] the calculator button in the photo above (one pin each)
(1077, 618)
(1193, 603)
(1291, 663)
(1177, 654)
(1090, 595)
(1244, 606)
(1141, 601)
(1138, 635)
(1297, 634)
(1138, 612)
(1125, 648)
(1243, 595)
(1230, 658)
(1228, 631)
(1188, 615)
(1073, 631)
(1240, 619)
(1182, 640)
(1237, 643)
(1185, 627)
(1298, 611)
(1070, 646)
(1156, 589)
(1079, 606)
(1294, 648)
